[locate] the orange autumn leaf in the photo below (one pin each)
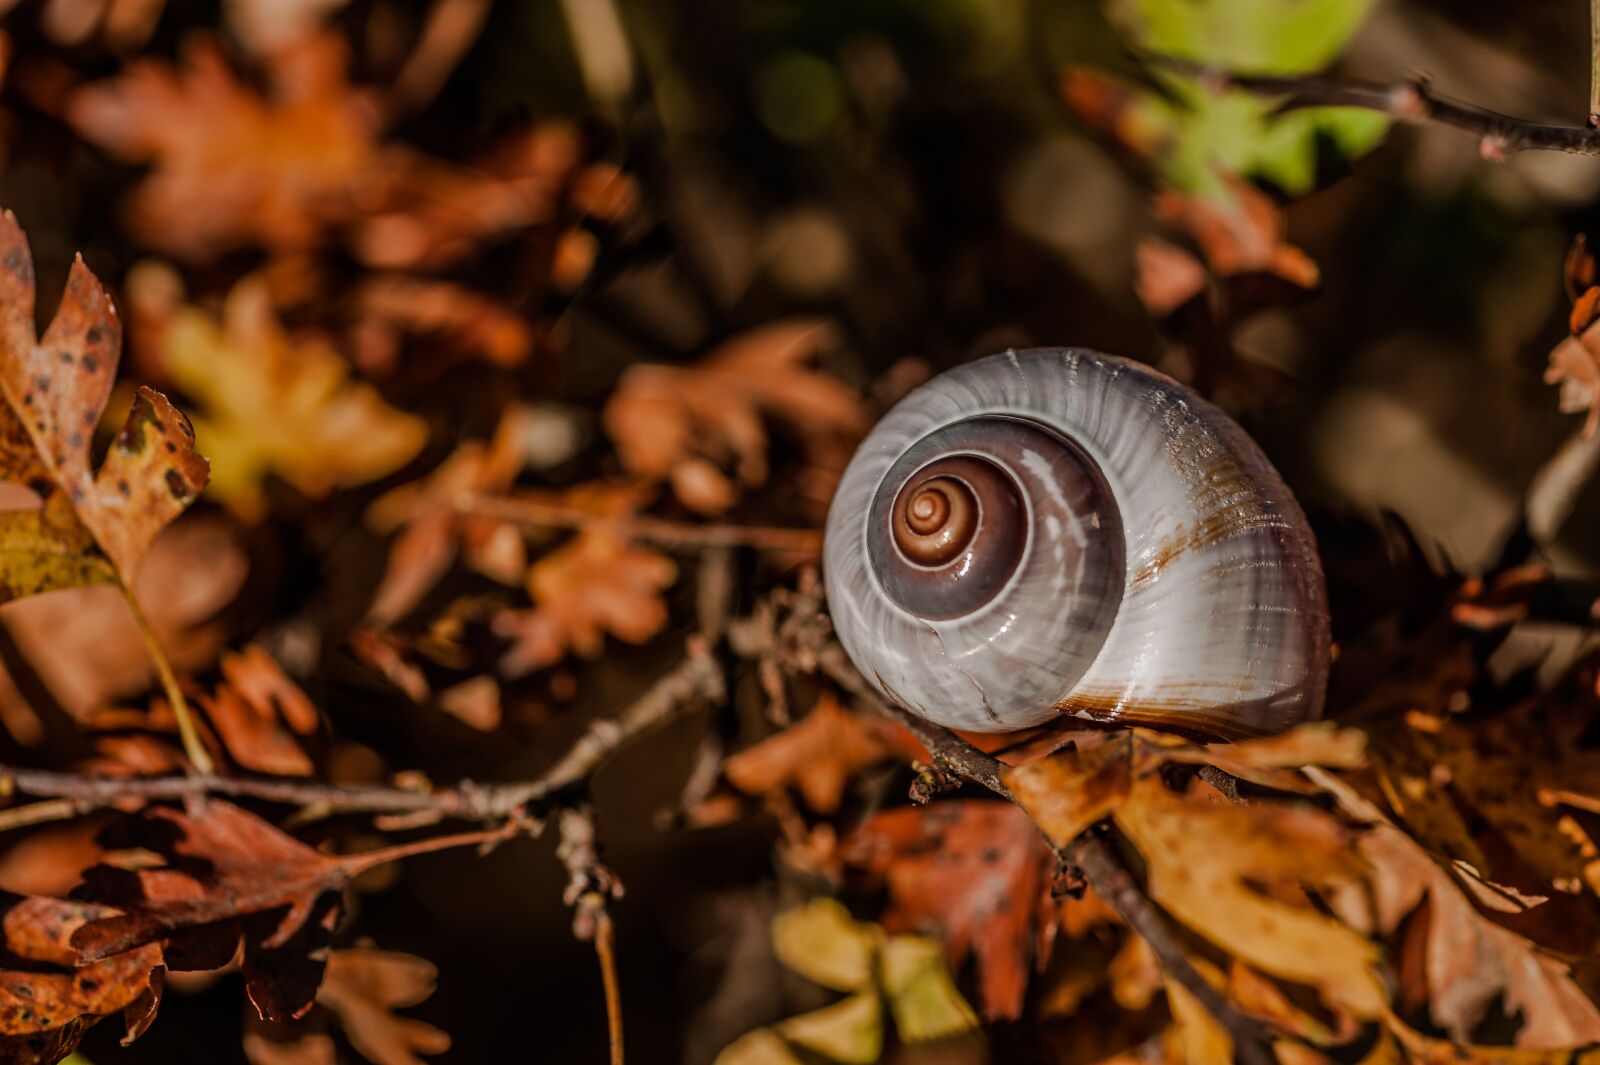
(431, 529)
(817, 756)
(91, 526)
(599, 583)
(702, 427)
(364, 987)
(973, 872)
(49, 997)
(231, 165)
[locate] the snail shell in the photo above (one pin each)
(1058, 531)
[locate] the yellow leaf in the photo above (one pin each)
(1072, 789)
(1204, 1040)
(271, 404)
(1213, 867)
(922, 996)
(760, 1047)
(848, 1032)
(822, 943)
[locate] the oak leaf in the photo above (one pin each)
(229, 877)
(364, 987)
(701, 427)
(1466, 961)
(269, 403)
(596, 583)
(972, 872)
(817, 756)
(91, 526)
(230, 166)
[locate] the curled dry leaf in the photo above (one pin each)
(257, 718)
(271, 404)
(701, 427)
(1465, 962)
(49, 1000)
(972, 872)
(91, 526)
(1235, 875)
(229, 876)
(231, 166)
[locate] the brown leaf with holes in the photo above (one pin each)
(91, 526)
(232, 166)
(973, 872)
(49, 997)
(816, 756)
(702, 428)
(229, 876)
(365, 986)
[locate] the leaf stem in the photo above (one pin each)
(198, 756)
(1594, 64)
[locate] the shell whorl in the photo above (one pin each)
(1059, 531)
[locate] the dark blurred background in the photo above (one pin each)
(908, 168)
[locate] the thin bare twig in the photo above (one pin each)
(590, 886)
(698, 677)
(1413, 101)
(525, 510)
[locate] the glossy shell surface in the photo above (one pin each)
(1165, 575)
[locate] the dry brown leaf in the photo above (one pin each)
(431, 213)
(365, 986)
(1234, 875)
(447, 315)
(701, 427)
(972, 872)
(231, 166)
(817, 756)
(51, 998)
(90, 527)
(431, 528)
(1467, 962)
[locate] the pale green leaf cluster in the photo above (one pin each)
(1212, 135)
(903, 977)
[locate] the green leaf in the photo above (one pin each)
(1247, 36)
(1208, 136)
